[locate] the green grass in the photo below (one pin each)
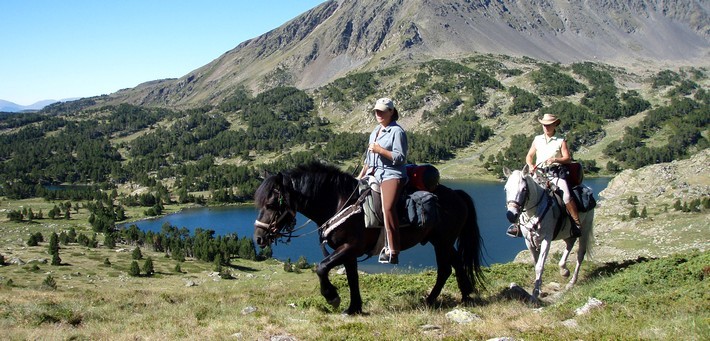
(654, 299)
(664, 298)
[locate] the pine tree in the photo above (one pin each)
(32, 241)
(107, 262)
(63, 238)
(218, 263)
(137, 254)
(72, 235)
(178, 268)
(148, 267)
(678, 206)
(110, 240)
(53, 244)
(634, 213)
(134, 270)
(178, 255)
(55, 259)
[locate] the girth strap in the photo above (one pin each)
(344, 214)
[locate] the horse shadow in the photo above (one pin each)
(611, 268)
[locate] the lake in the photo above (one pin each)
(489, 199)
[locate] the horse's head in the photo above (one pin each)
(277, 212)
(516, 193)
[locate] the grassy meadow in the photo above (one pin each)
(92, 296)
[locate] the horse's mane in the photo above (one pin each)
(307, 179)
(311, 177)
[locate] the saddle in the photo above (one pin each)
(415, 208)
(581, 194)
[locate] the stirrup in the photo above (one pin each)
(513, 231)
(387, 258)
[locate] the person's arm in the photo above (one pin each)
(566, 157)
(363, 171)
(530, 157)
(399, 148)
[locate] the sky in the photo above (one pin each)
(52, 49)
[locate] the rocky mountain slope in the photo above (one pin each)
(341, 36)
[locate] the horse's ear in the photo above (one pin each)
(506, 172)
(526, 169)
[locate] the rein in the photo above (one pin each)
(274, 232)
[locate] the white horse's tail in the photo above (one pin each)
(588, 233)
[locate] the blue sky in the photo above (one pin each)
(54, 49)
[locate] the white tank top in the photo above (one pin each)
(546, 148)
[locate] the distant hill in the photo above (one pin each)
(7, 106)
(340, 37)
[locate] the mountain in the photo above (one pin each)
(6, 106)
(341, 36)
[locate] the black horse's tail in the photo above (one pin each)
(470, 245)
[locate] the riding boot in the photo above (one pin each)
(576, 230)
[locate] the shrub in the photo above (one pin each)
(49, 283)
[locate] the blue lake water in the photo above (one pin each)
(489, 199)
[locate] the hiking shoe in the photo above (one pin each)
(513, 231)
(387, 258)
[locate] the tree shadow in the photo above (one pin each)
(241, 268)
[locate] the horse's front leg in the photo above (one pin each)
(327, 289)
(540, 266)
(354, 285)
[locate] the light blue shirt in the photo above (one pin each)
(394, 139)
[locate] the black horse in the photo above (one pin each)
(320, 191)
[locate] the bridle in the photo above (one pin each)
(283, 220)
(521, 197)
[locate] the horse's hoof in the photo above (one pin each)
(352, 311)
(564, 273)
(335, 303)
(569, 285)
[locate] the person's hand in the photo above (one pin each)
(375, 148)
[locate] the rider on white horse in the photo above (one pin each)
(551, 152)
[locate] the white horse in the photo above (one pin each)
(529, 205)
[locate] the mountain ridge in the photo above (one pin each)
(8, 106)
(342, 36)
